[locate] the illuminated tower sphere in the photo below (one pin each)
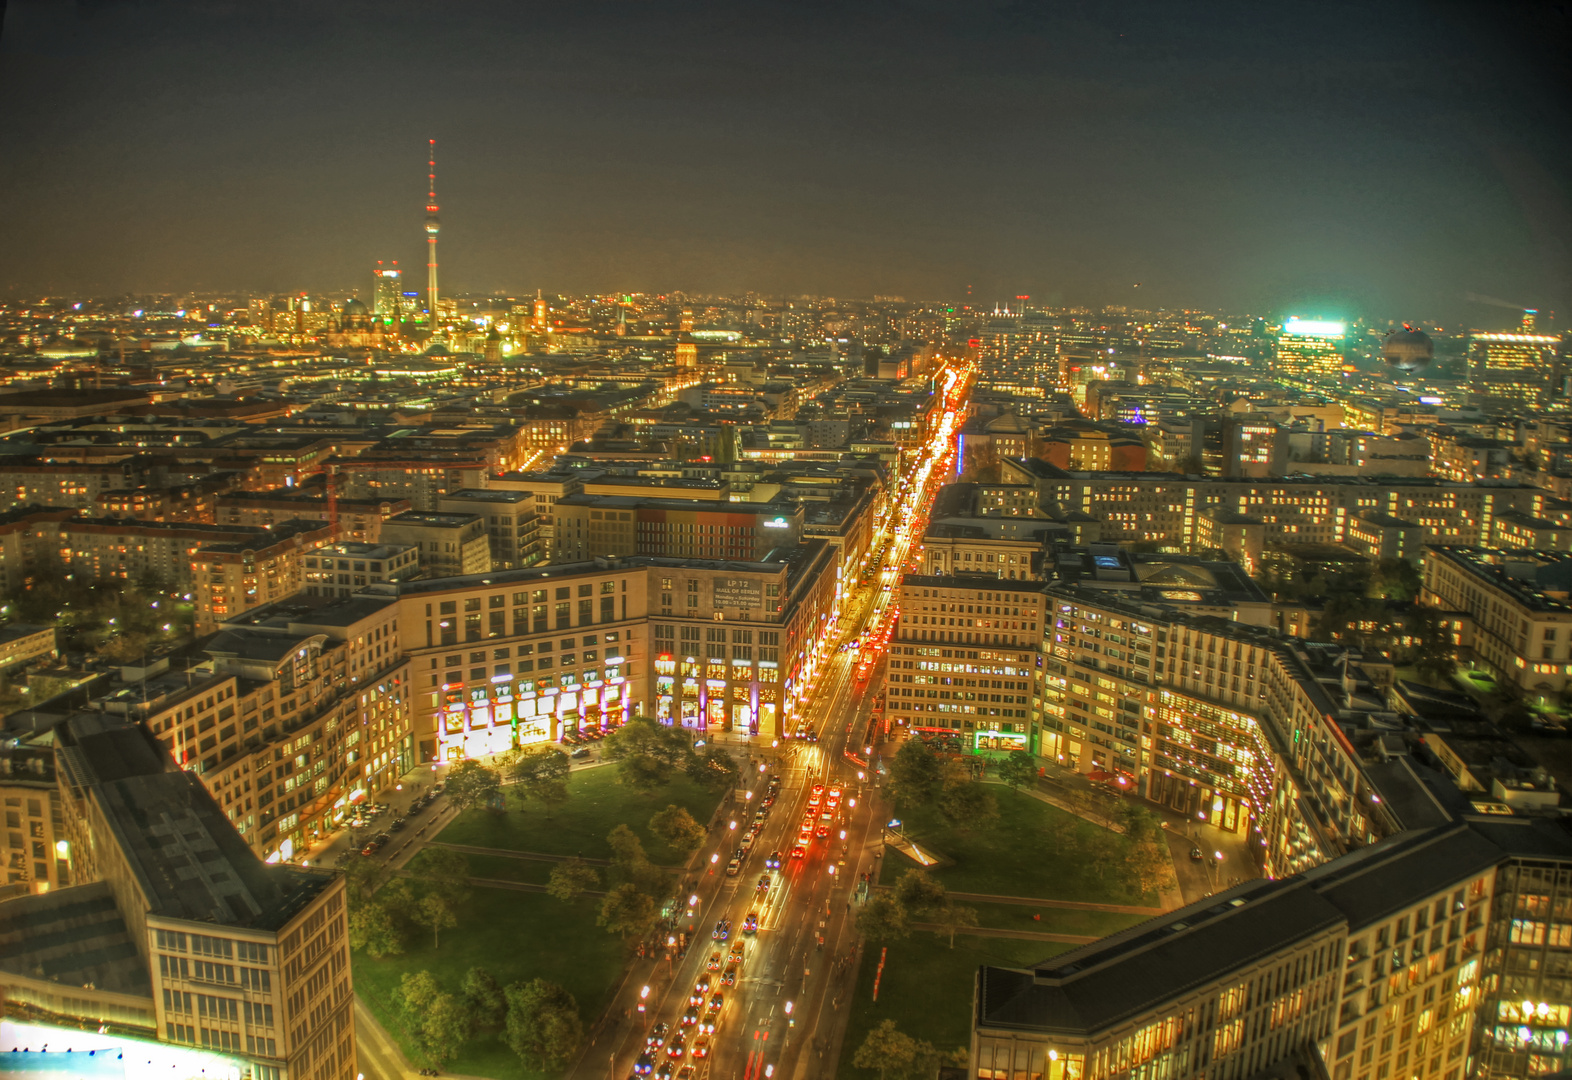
(1407, 350)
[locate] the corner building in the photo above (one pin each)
(516, 657)
(177, 931)
(1383, 964)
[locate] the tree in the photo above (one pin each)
(1017, 769)
(918, 893)
(362, 878)
(444, 1028)
(543, 1025)
(416, 991)
(628, 912)
(882, 919)
(442, 871)
(677, 828)
(570, 878)
(626, 847)
(967, 803)
(627, 856)
(1145, 856)
(487, 1002)
(715, 769)
(888, 1052)
(914, 773)
(436, 912)
(470, 784)
(374, 931)
(542, 774)
(647, 753)
(954, 917)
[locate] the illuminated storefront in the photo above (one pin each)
(508, 712)
(741, 697)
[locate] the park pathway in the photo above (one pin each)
(1062, 905)
(997, 931)
(510, 853)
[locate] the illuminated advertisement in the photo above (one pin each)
(46, 1052)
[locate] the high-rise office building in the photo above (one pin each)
(1309, 351)
(1518, 368)
(385, 293)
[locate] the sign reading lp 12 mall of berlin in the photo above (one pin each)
(738, 593)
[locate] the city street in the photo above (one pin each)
(785, 1015)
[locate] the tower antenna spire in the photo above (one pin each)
(433, 226)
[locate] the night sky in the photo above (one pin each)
(1377, 159)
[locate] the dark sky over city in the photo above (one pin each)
(1382, 159)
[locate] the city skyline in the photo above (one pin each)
(931, 152)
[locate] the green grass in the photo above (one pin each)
(502, 868)
(926, 989)
(501, 931)
(1017, 855)
(580, 827)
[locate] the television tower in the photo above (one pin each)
(433, 226)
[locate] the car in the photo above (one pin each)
(764, 883)
(747, 840)
(733, 867)
(729, 976)
(716, 1001)
(769, 800)
(700, 988)
(685, 1073)
(383, 838)
(580, 753)
(814, 799)
(772, 861)
(835, 792)
(677, 1046)
(644, 1065)
(714, 962)
(706, 1026)
(1195, 854)
(822, 831)
(722, 930)
(826, 816)
(738, 949)
(371, 847)
(798, 851)
(440, 786)
(396, 824)
(817, 789)
(758, 818)
(666, 1071)
(690, 1015)
(656, 1035)
(701, 1047)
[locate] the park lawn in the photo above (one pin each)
(1054, 920)
(580, 826)
(516, 936)
(502, 868)
(927, 989)
(1016, 855)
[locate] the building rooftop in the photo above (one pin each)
(1539, 580)
(429, 519)
(187, 860)
(499, 495)
(74, 936)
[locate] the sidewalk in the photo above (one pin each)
(989, 931)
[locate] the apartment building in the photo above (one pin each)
(1521, 607)
(596, 525)
(546, 489)
(229, 579)
(449, 544)
(1383, 963)
(174, 930)
(344, 569)
(1162, 508)
(359, 520)
(78, 485)
(31, 803)
(512, 523)
(298, 711)
(419, 480)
